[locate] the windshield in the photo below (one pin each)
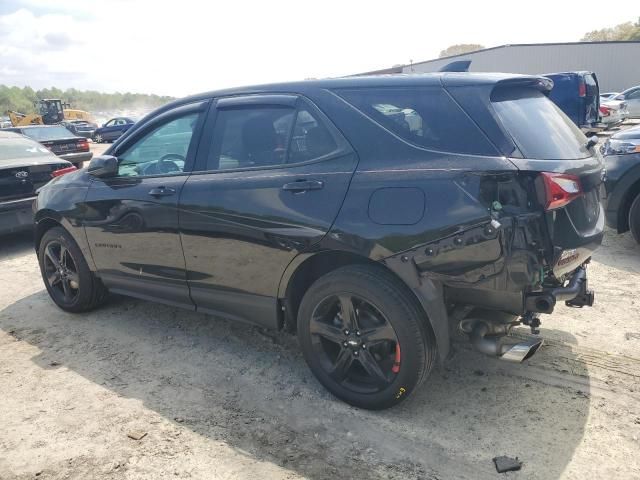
(47, 133)
(15, 148)
(538, 127)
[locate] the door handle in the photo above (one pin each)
(162, 192)
(303, 185)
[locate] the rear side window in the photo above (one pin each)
(538, 127)
(267, 135)
(427, 117)
(251, 137)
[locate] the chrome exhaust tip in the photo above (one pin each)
(500, 345)
(522, 351)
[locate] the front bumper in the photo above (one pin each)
(77, 158)
(16, 215)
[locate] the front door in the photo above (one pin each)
(132, 219)
(269, 185)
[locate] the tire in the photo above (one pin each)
(376, 300)
(73, 287)
(98, 138)
(634, 219)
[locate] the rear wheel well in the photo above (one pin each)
(319, 265)
(41, 228)
(623, 212)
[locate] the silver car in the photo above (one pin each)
(632, 98)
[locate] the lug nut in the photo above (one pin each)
(356, 353)
(345, 344)
(346, 332)
(364, 346)
(357, 333)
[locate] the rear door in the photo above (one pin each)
(592, 99)
(131, 220)
(269, 185)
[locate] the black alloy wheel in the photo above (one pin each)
(61, 272)
(356, 344)
(70, 282)
(365, 337)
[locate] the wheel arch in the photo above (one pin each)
(47, 219)
(307, 268)
(625, 206)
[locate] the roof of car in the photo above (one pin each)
(394, 80)
(38, 126)
(9, 134)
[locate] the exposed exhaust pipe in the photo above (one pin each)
(501, 346)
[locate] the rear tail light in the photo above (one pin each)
(582, 89)
(560, 189)
(605, 111)
(62, 171)
(83, 145)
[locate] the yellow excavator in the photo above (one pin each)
(49, 112)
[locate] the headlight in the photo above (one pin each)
(621, 147)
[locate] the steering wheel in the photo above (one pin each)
(167, 165)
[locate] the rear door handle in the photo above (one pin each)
(303, 185)
(162, 192)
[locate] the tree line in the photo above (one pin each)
(22, 99)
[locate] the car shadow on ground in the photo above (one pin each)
(16, 244)
(252, 390)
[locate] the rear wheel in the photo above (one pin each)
(634, 219)
(98, 138)
(364, 337)
(69, 281)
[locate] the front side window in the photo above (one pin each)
(633, 95)
(424, 116)
(162, 151)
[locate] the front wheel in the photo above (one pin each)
(364, 337)
(634, 219)
(69, 281)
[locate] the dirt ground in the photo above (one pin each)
(220, 400)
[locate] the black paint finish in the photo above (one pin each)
(455, 228)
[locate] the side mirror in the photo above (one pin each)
(103, 166)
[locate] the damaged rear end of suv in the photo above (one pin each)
(489, 211)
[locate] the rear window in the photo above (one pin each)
(538, 127)
(15, 148)
(426, 116)
(47, 133)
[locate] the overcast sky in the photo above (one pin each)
(178, 47)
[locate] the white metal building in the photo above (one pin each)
(617, 64)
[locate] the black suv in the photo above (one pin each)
(377, 217)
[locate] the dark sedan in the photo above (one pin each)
(25, 166)
(113, 129)
(59, 140)
(80, 128)
(622, 160)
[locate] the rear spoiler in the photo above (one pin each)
(543, 84)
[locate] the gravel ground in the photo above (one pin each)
(213, 399)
